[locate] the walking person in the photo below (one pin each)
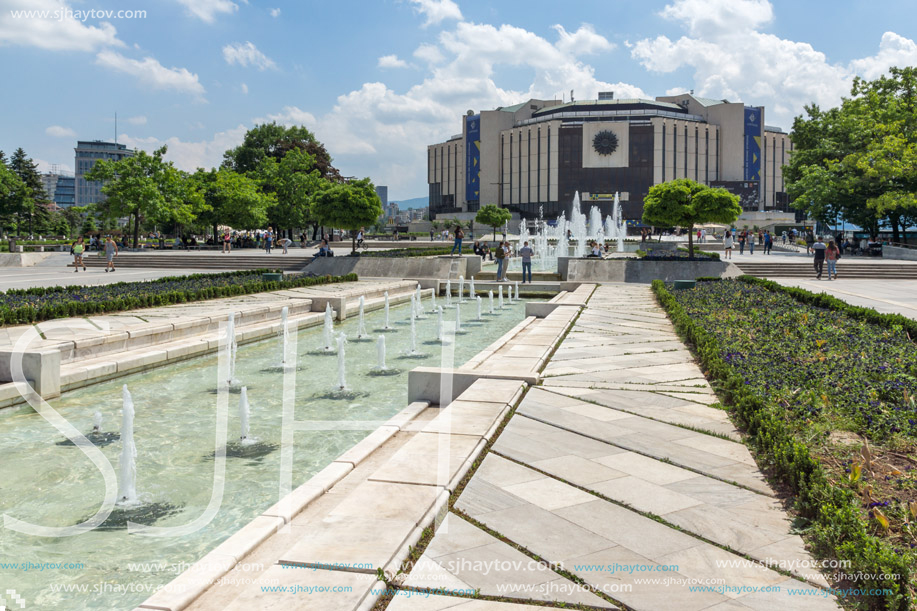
(742, 237)
(768, 242)
(111, 251)
(810, 241)
(77, 251)
(526, 253)
(819, 249)
(751, 243)
(268, 240)
(727, 245)
(227, 241)
(500, 254)
(459, 236)
(359, 239)
(832, 254)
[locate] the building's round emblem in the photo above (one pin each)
(605, 142)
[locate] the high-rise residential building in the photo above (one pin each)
(60, 188)
(531, 158)
(382, 192)
(88, 152)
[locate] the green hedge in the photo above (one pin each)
(415, 252)
(32, 305)
(837, 529)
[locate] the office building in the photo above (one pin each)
(87, 154)
(532, 157)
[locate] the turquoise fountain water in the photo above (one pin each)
(49, 482)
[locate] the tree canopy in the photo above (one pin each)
(231, 199)
(273, 141)
(145, 187)
(858, 161)
(686, 203)
(348, 205)
(493, 216)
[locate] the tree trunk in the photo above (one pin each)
(314, 230)
(353, 238)
(691, 242)
(896, 235)
(136, 228)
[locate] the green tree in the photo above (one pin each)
(493, 216)
(230, 198)
(270, 140)
(685, 203)
(89, 225)
(144, 187)
(33, 196)
(294, 181)
(348, 206)
(12, 192)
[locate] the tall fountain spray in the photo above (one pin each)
(413, 308)
(244, 414)
(440, 331)
(500, 300)
(232, 347)
(418, 303)
(380, 353)
(595, 222)
(578, 227)
(517, 290)
(342, 374)
(448, 293)
(361, 329)
(619, 223)
(461, 291)
(386, 326)
(97, 422)
(413, 348)
(458, 319)
(284, 335)
(127, 484)
(328, 330)
(433, 306)
(479, 303)
(490, 297)
(471, 292)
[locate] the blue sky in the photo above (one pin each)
(379, 80)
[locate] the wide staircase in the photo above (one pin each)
(238, 260)
(846, 268)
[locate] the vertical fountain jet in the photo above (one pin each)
(418, 303)
(500, 301)
(380, 353)
(386, 326)
(244, 414)
(440, 332)
(461, 290)
(458, 319)
(127, 463)
(620, 230)
(448, 293)
(327, 331)
(361, 329)
(490, 297)
(471, 292)
(342, 374)
(232, 347)
(479, 302)
(96, 423)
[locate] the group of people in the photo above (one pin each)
(764, 238)
(502, 253)
(78, 250)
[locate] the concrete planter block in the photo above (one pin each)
(40, 367)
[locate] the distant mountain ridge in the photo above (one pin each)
(414, 202)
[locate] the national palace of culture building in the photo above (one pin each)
(539, 153)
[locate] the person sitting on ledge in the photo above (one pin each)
(323, 251)
(596, 250)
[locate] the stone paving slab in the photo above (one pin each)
(466, 558)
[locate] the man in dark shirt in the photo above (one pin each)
(819, 249)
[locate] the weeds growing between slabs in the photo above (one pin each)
(23, 306)
(826, 392)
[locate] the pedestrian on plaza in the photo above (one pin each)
(819, 249)
(459, 236)
(526, 253)
(111, 251)
(703, 236)
(285, 243)
(500, 254)
(431, 234)
(486, 253)
(77, 250)
(303, 238)
(227, 242)
(742, 237)
(751, 242)
(477, 248)
(268, 240)
(324, 250)
(727, 245)
(360, 239)
(768, 242)
(832, 254)
(810, 241)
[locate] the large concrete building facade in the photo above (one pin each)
(87, 153)
(533, 157)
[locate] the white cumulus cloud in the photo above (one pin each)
(437, 11)
(151, 73)
(392, 61)
(275, 12)
(190, 155)
(207, 10)
(53, 34)
(247, 54)
(60, 132)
